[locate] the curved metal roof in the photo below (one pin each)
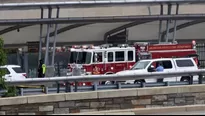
(94, 32)
(103, 19)
(23, 5)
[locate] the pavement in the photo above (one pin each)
(172, 110)
(182, 113)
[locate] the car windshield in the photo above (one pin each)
(140, 65)
(80, 57)
(18, 70)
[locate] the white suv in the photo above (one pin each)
(13, 72)
(169, 64)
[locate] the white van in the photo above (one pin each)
(169, 64)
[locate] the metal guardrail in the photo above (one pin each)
(99, 78)
(47, 90)
(112, 77)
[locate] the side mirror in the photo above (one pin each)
(151, 69)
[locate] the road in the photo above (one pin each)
(182, 113)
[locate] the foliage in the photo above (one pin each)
(11, 91)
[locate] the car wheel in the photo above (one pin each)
(109, 82)
(139, 81)
(185, 79)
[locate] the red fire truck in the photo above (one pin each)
(108, 59)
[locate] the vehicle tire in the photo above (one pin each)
(139, 81)
(160, 80)
(185, 78)
(109, 82)
(103, 82)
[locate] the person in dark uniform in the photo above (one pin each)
(41, 69)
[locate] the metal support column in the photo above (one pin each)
(26, 62)
(175, 23)
(18, 58)
(40, 40)
(200, 79)
(48, 38)
(149, 9)
(54, 41)
(160, 24)
(168, 22)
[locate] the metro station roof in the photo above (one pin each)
(93, 33)
(72, 30)
(86, 3)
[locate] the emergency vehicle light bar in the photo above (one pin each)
(87, 46)
(123, 45)
(141, 43)
(106, 45)
(76, 46)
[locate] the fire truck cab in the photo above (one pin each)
(103, 59)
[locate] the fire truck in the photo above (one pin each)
(108, 59)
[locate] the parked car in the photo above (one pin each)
(13, 72)
(169, 64)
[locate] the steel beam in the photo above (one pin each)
(168, 22)
(40, 38)
(149, 10)
(12, 28)
(160, 23)
(175, 23)
(114, 77)
(117, 29)
(54, 41)
(184, 25)
(48, 38)
(26, 62)
(90, 3)
(107, 19)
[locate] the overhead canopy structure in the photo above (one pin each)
(23, 5)
(97, 29)
(94, 33)
(108, 19)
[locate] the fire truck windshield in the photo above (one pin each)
(140, 65)
(80, 57)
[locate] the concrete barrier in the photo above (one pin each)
(78, 102)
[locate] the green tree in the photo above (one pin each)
(11, 91)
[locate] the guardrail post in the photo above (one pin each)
(21, 91)
(167, 83)
(46, 90)
(191, 80)
(200, 79)
(58, 87)
(95, 86)
(119, 85)
(142, 84)
(76, 86)
(68, 87)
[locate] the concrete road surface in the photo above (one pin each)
(182, 113)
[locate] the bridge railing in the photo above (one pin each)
(95, 79)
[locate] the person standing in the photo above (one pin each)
(41, 69)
